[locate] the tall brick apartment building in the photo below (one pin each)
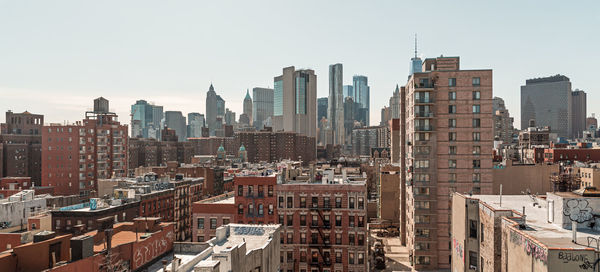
(449, 144)
(255, 199)
(76, 156)
(324, 225)
(21, 146)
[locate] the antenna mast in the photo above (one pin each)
(415, 45)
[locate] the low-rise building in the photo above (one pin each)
(211, 213)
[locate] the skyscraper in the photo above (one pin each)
(362, 96)
(176, 121)
(348, 91)
(262, 106)
(211, 109)
(295, 102)
(248, 106)
(322, 104)
(547, 100)
(416, 64)
(395, 104)
(335, 113)
(195, 125)
(449, 141)
(221, 109)
(145, 119)
(579, 113)
(503, 123)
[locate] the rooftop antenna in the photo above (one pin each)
(415, 45)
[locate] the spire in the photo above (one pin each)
(397, 89)
(211, 88)
(247, 95)
(415, 45)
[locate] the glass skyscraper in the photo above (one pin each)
(278, 98)
(362, 97)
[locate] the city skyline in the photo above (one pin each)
(173, 61)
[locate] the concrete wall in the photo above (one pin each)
(569, 207)
(515, 256)
(518, 178)
(16, 213)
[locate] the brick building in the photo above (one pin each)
(255, 199)
(324, 225)
(449, 140)
(268, 146)
(554, 155)
(77, 155)
(213, 183)
(84, 216)
(20, 146)
(187, 191)
(150, 152)
(211, 213)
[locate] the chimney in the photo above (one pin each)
(574, 228)
(523, 224)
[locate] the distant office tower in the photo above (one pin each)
(503, 123)
(386, 116)
(395, 104)
(175, 121)
(262, 106)
(295, 102)
(322, 104)
(220, 106)
(146, 120)
(416, 64)
(349, 114)
(449, 141)
(579, 113)
(211, 109)
(348, 91)
(195, 125)
(362, 96)
(77, 155)
(335, 113)
(591, 123)
(248, 106)
(229, 117)
(547, 100)
(366, 138)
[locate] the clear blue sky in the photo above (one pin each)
(56, 56)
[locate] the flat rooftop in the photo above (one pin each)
(549, 234)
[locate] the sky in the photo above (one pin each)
(57, 56)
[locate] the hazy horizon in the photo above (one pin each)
(56, 57)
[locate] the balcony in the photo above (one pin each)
(424, 128)
(425, 114)
(424, 85)
(423, 100)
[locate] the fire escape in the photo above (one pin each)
(323, 260)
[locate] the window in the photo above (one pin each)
(421, 191)
(250, 208)
(451, 123)
(422, 233)
(315, 221)
(452, 82)
(302, 202)
(338, 220)
(476, 150)
(361, 203)
(338, 202)
(290, 257)
(350, 258)
(270, 208)
(270, 190)
(241, 209)
(476, 109)
(302, 220)
(351, 203)
(290, 220)
(361, 221)
(326, 220)
(422, 219)
(281, 219)
(250, 190)
(315, 202)
(451, 136)
(424, 150)
(476, 177)
(473, 229)
(472, 260)
(338, 257)
(326, 202)
(303, 238)
(361, 239)
(290, 202)
(303, 255)
(424, 260)
(213, 223)
(225, 221)
(452, 109)
(476, 95)
(476, 164)
(481, 233)
(476, 81)
(351, 220)
(261, 209)
(261, 192)
(240, 190)
(421, 177)
(338, 238)
(452, 150)
(361, 258)
(290, 238)
(451, 163)
(200, 223)
(451, 95)
(281, 200)
(451, 177)
(476, 136)
(314, 238)
(476, 122)
(421, 164)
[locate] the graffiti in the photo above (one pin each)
(459, 249)
(147, 252)
(4, 225)
(530, 247)
(578, 210)
(567, 257)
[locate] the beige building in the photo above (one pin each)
(524, 233)
(449, 141)
(518, 178)
(590, 176)
(388, 206)
(295, 102)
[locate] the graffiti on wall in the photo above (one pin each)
(578, 210)
(458, 247)
(530, 247)
(147, 252)
(573, 257)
